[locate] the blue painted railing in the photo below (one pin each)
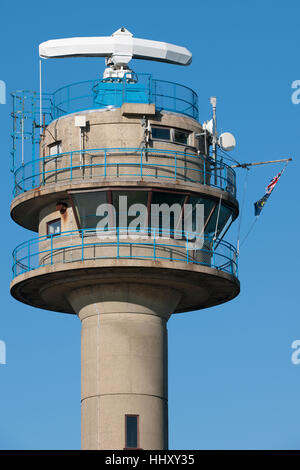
(113, 92)
(96, 163)
(120, 243)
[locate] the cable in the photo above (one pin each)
(229, 156)
(250, 230)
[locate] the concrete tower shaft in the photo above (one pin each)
(124, 362)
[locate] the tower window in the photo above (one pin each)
(181, 137)
(161, 133)
(172, 135)
(53, 227)
(131, 432)
(55, 148)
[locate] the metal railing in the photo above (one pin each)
(148, 163)
(89, 95)
(124, 243)
(132, 88)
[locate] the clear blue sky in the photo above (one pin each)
(232, 384)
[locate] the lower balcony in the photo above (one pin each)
(124, 243)
(47, 270)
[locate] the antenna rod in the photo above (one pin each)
(245, 165)
(41, 99)
(213, 102)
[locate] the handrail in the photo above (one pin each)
(157, 244)
(122, 90)
(95, 163)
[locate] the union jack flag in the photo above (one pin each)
(258, 205)
(273, 183)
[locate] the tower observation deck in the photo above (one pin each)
(130, 210)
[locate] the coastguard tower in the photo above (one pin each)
(110, 173)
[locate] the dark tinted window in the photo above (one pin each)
(164, 216)
(131, 432)
(161, 133)
(86, 204)
(181, 137)
(133, 197)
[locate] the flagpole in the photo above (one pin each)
(245, 165)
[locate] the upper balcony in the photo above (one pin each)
(38, 160)
(113, 92)
(146, 164)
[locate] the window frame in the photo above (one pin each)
(57, 144)
(163, 128)
(172, 135)
(49, 235)
(187, 144)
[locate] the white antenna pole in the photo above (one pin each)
(40, 67)
(213, 102)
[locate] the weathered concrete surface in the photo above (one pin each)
(138, 109)
(111, 129)
(201, 286)
(124, 362)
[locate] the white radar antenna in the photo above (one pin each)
(118, 49)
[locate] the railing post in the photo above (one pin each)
(14, 264)
(174, 88)
(43, 171)
(23, 177)
(82, 246)
(214, 258)
(118, 242)
(28, 255)
(187, 249)
(175, 165)
(105, 163)
(51, 249)
(124, 94)
(224, 179)
(141, 163)
(68, 94)
(71, 165)
(154, 245)
(150, 89)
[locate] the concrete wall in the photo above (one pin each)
(113, 129)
